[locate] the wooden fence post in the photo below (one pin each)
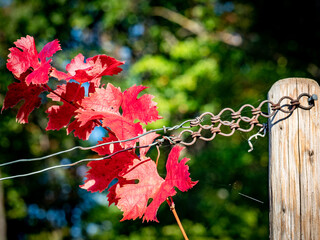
(294, 164)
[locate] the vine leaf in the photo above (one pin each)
(20, 91)
(134, 108)
(60, 115)
(102, 172)
(107, 99)
(106, 103)
(25, 56)
(132, 199)
(145, 141)
(81, 131)
(121, 113)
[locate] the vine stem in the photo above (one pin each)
(175, 214)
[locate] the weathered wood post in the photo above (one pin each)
(294, 164)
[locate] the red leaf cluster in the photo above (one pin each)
(25, 56)
(120, 113)
(90, 70)
(132, 198)
(105, 104)
(20, 91)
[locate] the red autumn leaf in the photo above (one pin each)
(48, 50)
(143, 108)
(39, 75)
(77, 63)
(112, 196)
(60, 116)
(146, 140)
(133, 198)
(109, 148)
(103, 101)
(107, 99)
(123, 128)
(20, 61)
(105, 105)
(58, 74)
(177, 176)
(108, 65)
(83, 132)
(94, 68)
(20, 91)
(25, 56)
(85, 116)
(104, 171)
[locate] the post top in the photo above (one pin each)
(294, 80)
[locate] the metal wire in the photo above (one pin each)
(75, 163)
(214, 128)
(96, 146)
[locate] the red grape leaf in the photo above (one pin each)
(146, 140)
(20, 91)
(20, 61)
(107, 99)
(60, 116)
(77, 63)
(25, 56)
(99, 183)
(133, 198)
(83, 132)
(84, 116)
(109, 148)
(143, 108)
(39, 75)
(177, 176)
(123, 128)
(108, 65)
(49, 49)
(104, 171)
(93, 68)
(112, 196)
(96, 82)
(58, 74)
(105, 105)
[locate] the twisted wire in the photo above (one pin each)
(214, 128)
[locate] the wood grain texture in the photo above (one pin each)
(294, 164)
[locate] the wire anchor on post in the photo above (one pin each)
(258, 134)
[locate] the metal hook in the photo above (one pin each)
(258, 134)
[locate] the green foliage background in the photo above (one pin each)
(196, 56)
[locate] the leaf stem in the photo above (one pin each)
(158, 155)
(173, 210)
(60, 96)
